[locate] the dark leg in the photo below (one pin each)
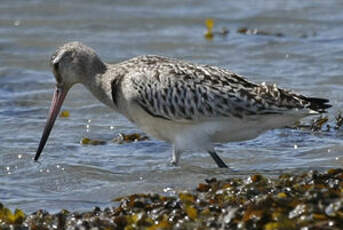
(217, 159)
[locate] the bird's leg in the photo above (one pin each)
(217, 159)
(175, 157)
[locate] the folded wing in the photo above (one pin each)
(204, 93)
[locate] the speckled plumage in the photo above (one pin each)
(178, 91)
(188, 105)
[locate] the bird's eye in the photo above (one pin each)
(56, 72)
(56, 67)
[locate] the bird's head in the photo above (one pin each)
(72, 63)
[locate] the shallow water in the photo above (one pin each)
(308, 59)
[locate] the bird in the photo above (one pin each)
(190, 106)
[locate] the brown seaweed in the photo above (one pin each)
(310, 201)
(246, 30)
(128, 138)
(210, 33)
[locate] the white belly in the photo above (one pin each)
(200, 135)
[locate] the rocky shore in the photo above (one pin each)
(309, 201)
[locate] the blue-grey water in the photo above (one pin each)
(308, 59)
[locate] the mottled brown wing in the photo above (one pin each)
(194, 100)
(180, 91)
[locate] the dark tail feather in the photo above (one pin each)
(318, 104)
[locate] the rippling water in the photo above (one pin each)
(308, 59)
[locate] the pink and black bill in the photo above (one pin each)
(55, 107)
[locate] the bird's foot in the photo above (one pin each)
(172, 163)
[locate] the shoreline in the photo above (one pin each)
(311, 200)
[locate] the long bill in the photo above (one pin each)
(56, 104)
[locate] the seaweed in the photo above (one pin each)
(65, 113)
(318, 124)
(120, 139)
(246, 30)
(209, 34)
(128, 138)
(311, 200)
(339, 121)
(10, 218)
(88, 141)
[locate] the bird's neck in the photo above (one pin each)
(97, 83)
(101, 85)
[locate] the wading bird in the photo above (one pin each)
(190, 106)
